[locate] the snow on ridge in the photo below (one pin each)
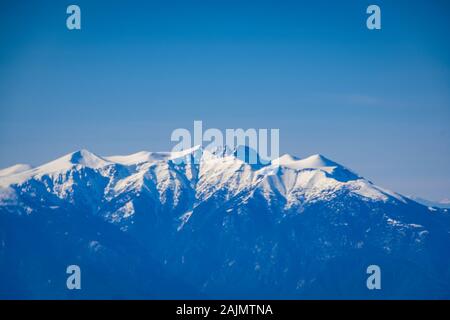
(15, 169)
(139, 157)
(151, 157)
(443, 204)
(288, 176)
(194, 151)
(316, 161)
(87, 159)
(312, 162)
(81, 158)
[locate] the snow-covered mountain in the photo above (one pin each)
(199, 223)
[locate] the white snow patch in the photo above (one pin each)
(184, 219)
(95, 246)
(127, 210)
(7, 196)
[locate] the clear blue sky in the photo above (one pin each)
(375, 101)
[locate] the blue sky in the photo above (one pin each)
(375, 101)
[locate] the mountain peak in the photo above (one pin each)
(87, 159)
(287, 158)
(315, 161)
(318, 161)
(81, 157)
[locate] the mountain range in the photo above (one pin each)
(207, 224)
